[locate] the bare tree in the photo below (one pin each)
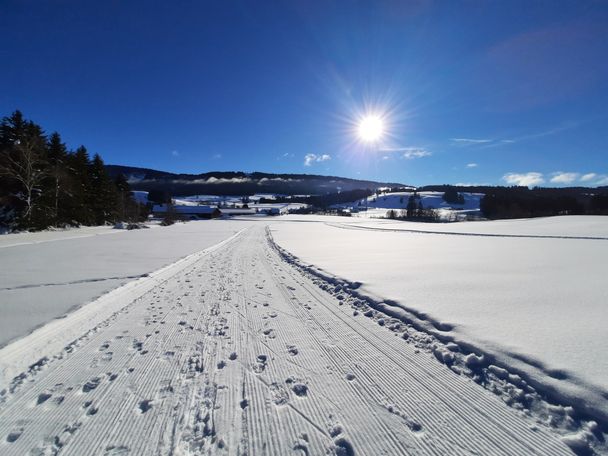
(24, 165)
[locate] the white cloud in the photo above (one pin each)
(216, 156)
(588, 177)
(603, 180)
(470, 141)
(527, 179)
(310, 159)
(175, 153)
(472, 165)
(564, 178)
(415, 152)
(594, 179)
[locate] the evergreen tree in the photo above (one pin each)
(103, 194)
(55, 197)
(42, 184)
(452, 196)
(411, 206)
(78, 210)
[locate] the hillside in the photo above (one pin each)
(239, 183)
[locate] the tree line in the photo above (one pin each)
(44, 184)
(518, 202)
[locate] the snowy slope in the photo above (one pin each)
(234, 351)
(536, 304)
(430, 200)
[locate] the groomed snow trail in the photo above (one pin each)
(240, 354)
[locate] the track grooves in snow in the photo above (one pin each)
(345, 226)
(236, 352)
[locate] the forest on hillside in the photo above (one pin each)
(44, 184)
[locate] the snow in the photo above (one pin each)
(535, 304)
(53, 272)
(563, 226)
(233, 350)
(25, 238)
(377, 206)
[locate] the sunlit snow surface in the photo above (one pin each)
(532, 292)
(46, 274)
(291, 352)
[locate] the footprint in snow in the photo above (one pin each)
(270, 333)
(43, 397)
(91, 384)
(278, 394)
(300, 389)
(260, 364)
(343, 447)
(14, 435)
(120, 450)
(301, 445)
(144, 406)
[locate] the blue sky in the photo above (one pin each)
(471, 92)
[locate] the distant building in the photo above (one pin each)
(238, 211)
(275, 210)
(191, 212)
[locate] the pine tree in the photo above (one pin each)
(57, 155)
(411, 206)
(102, 197)
(77, 210)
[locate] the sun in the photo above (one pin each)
(371, 128)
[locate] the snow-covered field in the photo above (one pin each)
(307, 335)
(536, 304)
(46, 274)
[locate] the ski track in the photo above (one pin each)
(241, 354)
(351, 226)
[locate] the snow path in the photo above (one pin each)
(45, 275)
(238, 353)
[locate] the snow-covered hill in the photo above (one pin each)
(377, 205)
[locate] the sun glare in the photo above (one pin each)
(371, 128)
